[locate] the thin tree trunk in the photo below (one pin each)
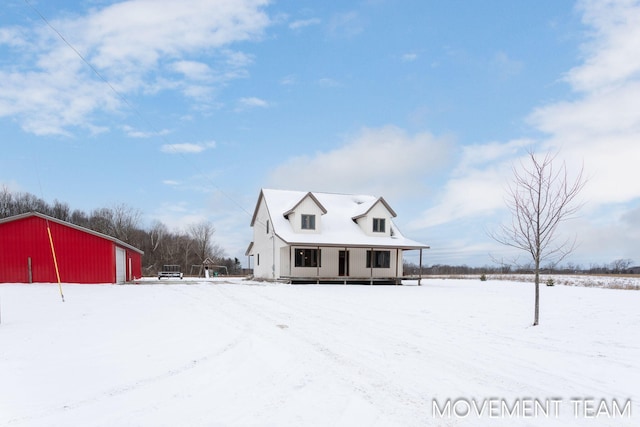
(536, 314)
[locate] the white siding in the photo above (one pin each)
(330, 263)
(306, 207)
(266, 247)
(285, 264)
(377, 211)
(359, 264)
(274, 259)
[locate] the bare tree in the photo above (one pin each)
(619, 266)
(60, 210)
(216, 252)
(101, 220)
(540, 197)
(125, 221)
(27, 202)
(6, 202)
(157, 233)
(201, 234)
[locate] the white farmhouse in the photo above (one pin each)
(310, 237)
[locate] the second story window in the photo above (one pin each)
(267, 226)
(378, 225)
(308, 222)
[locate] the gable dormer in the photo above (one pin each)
(305, 216)
(376, 219)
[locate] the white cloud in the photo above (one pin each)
(505, 66)
(138, 32)
(478, 192)
(611, 55)
(598, 129)
(178, 216)
(193, 70)
(409, 57)
(347, 24)
(601, 127)
(12, 37)
(251, 102)
(289, 80)
(48, 89)
(187, 147)
(328, 82)
(238, 59)
(302, 23)
(488, 154)
(133, 133)
(379, 161)
(10, 186)
(614, 233)
(476, 185)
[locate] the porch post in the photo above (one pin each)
(318, 266)
(346, 265)
(371, 267)
(397, 263)
(420, 276)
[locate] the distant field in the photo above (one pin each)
(610, 281)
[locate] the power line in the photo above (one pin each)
(132, 107)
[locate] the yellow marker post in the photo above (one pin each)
(55, 261)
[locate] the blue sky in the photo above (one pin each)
(185, 109)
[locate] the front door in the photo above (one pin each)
(343, 263)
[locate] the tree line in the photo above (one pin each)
(161, 246)
(618, 266)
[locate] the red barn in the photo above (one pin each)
(29, 241)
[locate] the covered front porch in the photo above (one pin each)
(344, 264)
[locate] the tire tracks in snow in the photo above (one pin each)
(374, 386)
(194, 363)
(480, 364)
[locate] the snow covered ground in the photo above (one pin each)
(611, 281)
(238, 353)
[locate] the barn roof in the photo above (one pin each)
(68, 224)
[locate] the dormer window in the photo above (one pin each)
(308, 222)
(378, 225)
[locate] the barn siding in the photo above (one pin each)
(134, 265)
(14, 256)
(82, 257)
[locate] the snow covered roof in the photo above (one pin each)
(339, 227)
(70, 225)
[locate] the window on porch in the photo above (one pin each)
(307, 258)
(378, 259)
